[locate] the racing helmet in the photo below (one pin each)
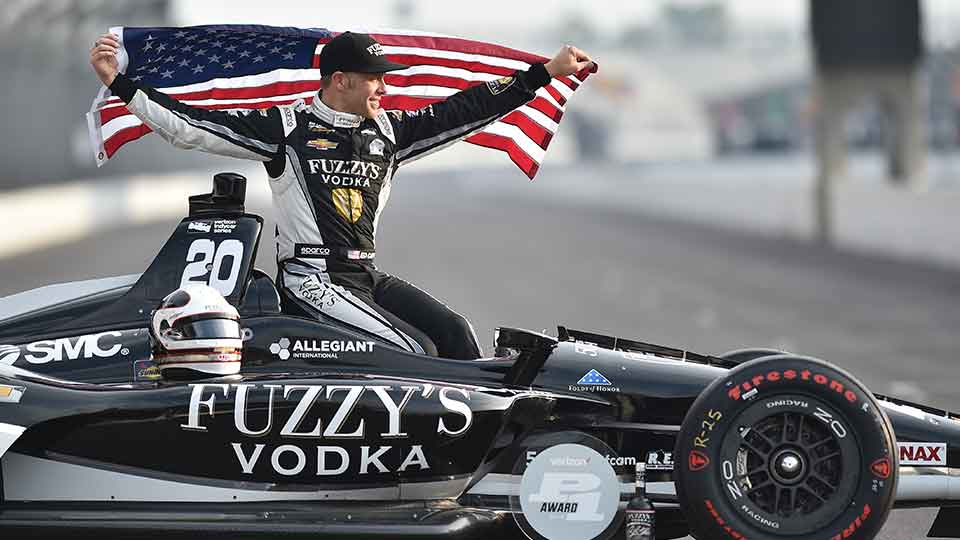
(195, 332)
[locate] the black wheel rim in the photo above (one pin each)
(791, 465)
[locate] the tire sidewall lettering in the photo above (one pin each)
(844, 417)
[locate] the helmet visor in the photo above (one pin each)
(211, 329)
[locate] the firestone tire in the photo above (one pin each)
(786, 446)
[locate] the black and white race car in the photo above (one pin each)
(331, 433)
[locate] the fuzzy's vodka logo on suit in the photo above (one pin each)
(321, 419)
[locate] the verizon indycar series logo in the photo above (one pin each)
(102, 345)
(327, 349)
(221, 226)
(334, 420)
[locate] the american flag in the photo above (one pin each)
(253, 67)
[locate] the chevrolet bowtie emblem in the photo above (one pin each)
(322, 144)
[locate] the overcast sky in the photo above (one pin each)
(448, 15)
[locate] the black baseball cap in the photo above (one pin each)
(355, 52)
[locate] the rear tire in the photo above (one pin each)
(786, 446)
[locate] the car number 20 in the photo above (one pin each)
(208, 263)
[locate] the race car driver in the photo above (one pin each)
(331, 164)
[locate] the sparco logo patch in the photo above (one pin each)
(923, 454)
(303, 250)
(74, 348)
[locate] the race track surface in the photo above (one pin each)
(522, 260)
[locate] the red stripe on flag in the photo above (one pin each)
(458, 45)
(406, 103)
(555, 94)
(316, 55)
(246, 92)
(569, 82)
(534, 131)
(584, 73)
(107, 115)
(475, 67)
(517, 155)
(124, 136)
(251, 92)
(426, 79)
(547, 108)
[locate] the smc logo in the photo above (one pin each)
(56, 350)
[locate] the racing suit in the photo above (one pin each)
(330, 176)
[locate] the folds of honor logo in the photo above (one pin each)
(593, 381)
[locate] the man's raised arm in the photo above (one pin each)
(255, 135)
(422, 132)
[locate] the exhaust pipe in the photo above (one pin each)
(928, 484)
